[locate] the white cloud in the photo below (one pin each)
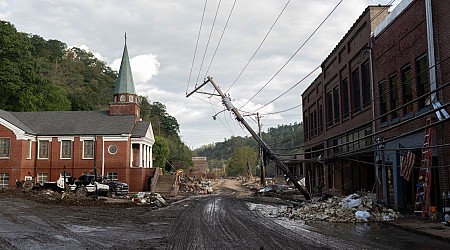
(143, 67)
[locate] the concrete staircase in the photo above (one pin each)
(167, 185)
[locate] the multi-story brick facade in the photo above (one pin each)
(116, 143)
(402, 70)
(337, 112)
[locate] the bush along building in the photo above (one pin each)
(116, 143)
(375, 118)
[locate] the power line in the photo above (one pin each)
(207, 43)
(315, 68)
(221, 36)
(284, 65)
(257, 49)
(196, 46)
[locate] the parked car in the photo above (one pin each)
(118, 188)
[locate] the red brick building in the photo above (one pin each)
(116, 143)
(337, 113)
(408, 44)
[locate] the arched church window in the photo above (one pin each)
(131, 98)
(123, 98)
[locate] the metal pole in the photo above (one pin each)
(261, 154)
(227, 102)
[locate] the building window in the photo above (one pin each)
(423, 86)
(407, 90)
(306, 126)
(320, 119)
(356, 91)
(112, 149)
(29, 149)
(330, 108)
(42, 177)
(112, 176)
(88, 149)
(43, 149)
(337, 112)
(66, 149)
(5, 147)
(345, 102)
(393, 90)
(313, 123)
(123, 98)
(365, 77)
(131, 98)
(4, 180)
(383, 100)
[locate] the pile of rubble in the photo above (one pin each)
(147, 198)
(196, 186)
(351, 209)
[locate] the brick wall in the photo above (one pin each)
(399, 46)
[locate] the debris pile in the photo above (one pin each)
(350, 209)
(196, 186)
(147, 198)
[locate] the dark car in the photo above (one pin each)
(118, 188)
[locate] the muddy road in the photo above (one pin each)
(228, 220)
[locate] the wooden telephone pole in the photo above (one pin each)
(226, 101)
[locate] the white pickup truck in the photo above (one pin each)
(85, 184)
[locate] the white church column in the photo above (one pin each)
(151, 156)
(131, 155)
(141, 153)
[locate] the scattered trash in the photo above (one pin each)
(147, 198)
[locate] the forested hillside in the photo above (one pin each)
(284, 139)
(45, 75)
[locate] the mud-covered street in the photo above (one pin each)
(228, 220)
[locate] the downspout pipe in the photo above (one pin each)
(430, 41)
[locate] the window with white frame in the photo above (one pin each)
(29, 149)
(88, 149)
(42, 177)
(43, 149)
(5, 147)
(66, 149)
(4, 180)
(112, 176)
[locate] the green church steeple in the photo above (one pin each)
(125, 98)
(125, 83)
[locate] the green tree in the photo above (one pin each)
(23, 89)
(160, 151)
(241, 158)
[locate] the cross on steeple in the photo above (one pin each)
(125, 38)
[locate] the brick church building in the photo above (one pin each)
(116, 142)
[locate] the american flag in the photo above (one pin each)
(407, 159)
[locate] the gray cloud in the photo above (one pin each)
(162, 34)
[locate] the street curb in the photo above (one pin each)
(412, 230)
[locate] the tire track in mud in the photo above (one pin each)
(224, 222)
(37, 232)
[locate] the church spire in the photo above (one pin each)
(125, 98)
(125, 83)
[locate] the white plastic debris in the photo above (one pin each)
(362, 215)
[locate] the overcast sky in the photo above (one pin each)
(162, 37)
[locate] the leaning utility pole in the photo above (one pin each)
(226, 101)
(261, 153)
